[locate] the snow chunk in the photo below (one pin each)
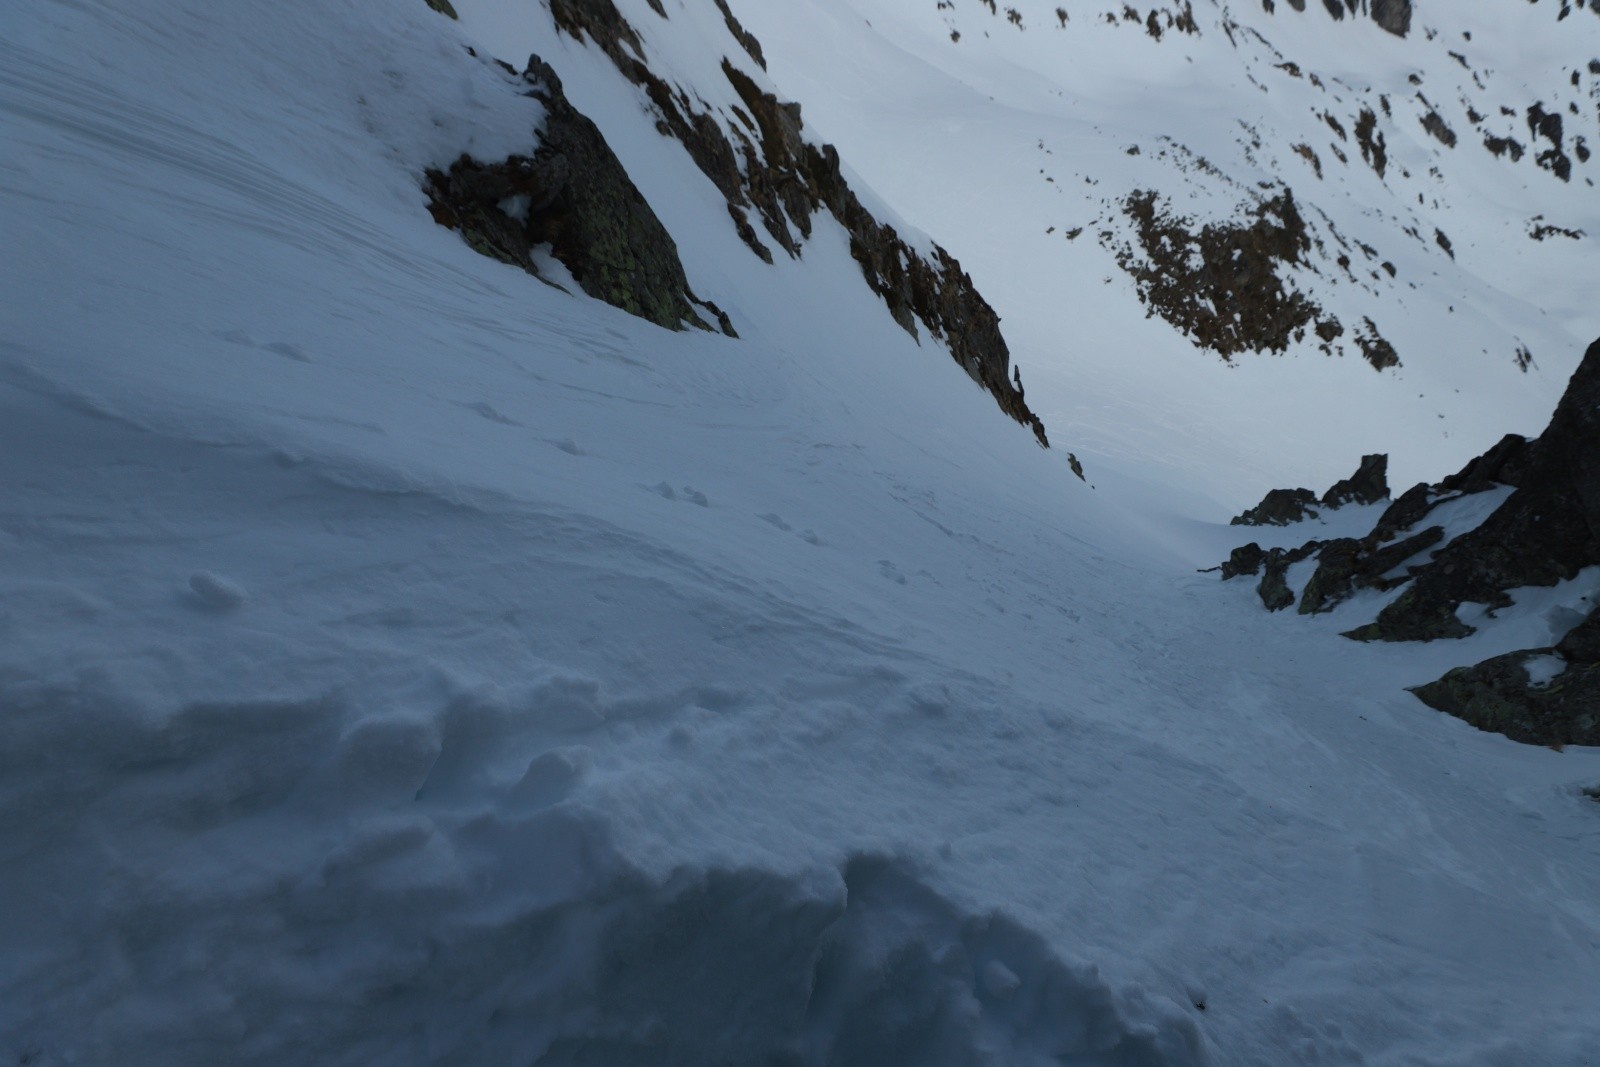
(216, 592)
(1000, 981)
(1544, 669)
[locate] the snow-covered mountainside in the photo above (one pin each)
(462, 602)
(1092, 161)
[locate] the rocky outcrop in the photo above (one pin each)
(1374, 147)
(1273, 565)
(1504, 464)
(764, 164)
(1392, 15)
(1368, 485)
(1374, 348)
(1281, 507)
(1439, 129)
(1349, 563)
(1246, 559)
(1546, 531)
(1542, 696)
(1344, 564)
(1547, 125)
(574, 196)
(746, 39)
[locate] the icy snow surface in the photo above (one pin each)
(404, 662)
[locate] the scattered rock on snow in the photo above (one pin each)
(1220, 282)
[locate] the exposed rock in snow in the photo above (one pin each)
(1349, 564)
(1282, 507)
(1219, 282)
(1392, 15)
(1274, 585)
(574, 195)
(1279, 507)
(1525, 695)
(1227, 285)
(608, 694)
(1545, 532)
(1368, 485)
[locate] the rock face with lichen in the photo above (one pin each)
(573, 195)
(764, 165)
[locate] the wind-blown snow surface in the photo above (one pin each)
(404, 662)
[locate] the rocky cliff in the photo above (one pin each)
(765, 164)
(1545, 532)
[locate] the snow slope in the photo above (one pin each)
(406, 662)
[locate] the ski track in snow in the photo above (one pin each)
(403, 662)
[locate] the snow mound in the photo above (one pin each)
(283, 880)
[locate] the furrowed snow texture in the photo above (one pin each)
(573, 959)
(400, 921)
